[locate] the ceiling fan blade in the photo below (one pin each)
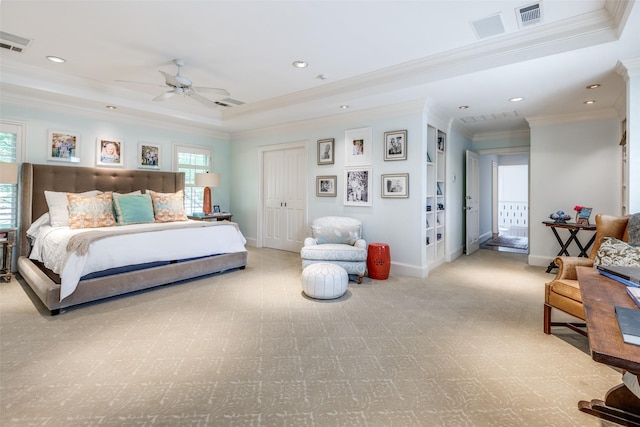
(201, 99)
(212, 90)
(175, 81)
(165, 95)
(141, 83)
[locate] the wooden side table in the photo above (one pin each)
(573, 237)
(7, 239)
(221, 216)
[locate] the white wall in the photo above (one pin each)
(571, 163)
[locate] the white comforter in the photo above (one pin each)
(130, 249)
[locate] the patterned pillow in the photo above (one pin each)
(133, 209)
(616, 252)
(346, 234)
(59, 206)
(168, 207)
(90, 211)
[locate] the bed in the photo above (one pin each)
(47, 284)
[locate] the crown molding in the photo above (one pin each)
(603, 114)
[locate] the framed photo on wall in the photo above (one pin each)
(109, 152)
(148, 156)
(395, 185)
(63, 146)
(358, 189)
(357, 147)
(326, 186)
(326, 151)
(395, 145)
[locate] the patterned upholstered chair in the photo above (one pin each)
(336, 240)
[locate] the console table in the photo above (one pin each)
(600, 295)
(574, 229)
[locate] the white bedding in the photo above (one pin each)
(129, 249)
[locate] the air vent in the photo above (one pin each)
(489, 117)
(529, 15)
(13, 42)
(231, 101)
(488, 27)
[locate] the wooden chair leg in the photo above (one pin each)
(360, 279)
(547, 319)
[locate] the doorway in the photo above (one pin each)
(510, 204)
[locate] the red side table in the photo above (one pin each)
(378, 261)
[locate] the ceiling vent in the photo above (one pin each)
(529, 15)
(490, 117)
(488, 27)
(225, 102)
(13, 42)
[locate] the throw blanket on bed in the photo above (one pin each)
(80, 243)
(634, 230)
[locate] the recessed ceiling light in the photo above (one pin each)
(594, 86)
(516, 99)
(463, 107)
(592, 101)
(300, 64)
(56, 59)
(111, 107)
(344, 107)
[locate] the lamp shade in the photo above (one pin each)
(207, 179)
(8, 173)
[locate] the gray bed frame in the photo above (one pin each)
(35, 179)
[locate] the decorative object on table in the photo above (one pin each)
(216, 208)
(395, 145)
(207, 180)
(582, 214)
(325, 151)
(559, 216)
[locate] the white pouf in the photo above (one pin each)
(324, 280)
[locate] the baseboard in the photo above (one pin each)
(401, 269)
(539, 261)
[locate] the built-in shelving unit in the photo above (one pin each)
(436, 191)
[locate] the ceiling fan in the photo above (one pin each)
(179, 84)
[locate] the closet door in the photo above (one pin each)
(284, 180)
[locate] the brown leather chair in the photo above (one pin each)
(563, 292)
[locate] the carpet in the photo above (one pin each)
(514, 242)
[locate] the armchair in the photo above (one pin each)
(336, 240)
(563, 292)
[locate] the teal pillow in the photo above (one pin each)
(133, 209)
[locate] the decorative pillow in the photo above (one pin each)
(634, 230)
(336, 234)
(168, 207)
(133, 209)
(34, 228)
(616, 252)
(91, 211)
(59, 206)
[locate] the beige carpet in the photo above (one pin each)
(463, 347)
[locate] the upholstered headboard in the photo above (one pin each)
(35, 179)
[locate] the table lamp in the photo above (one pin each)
(207, 180)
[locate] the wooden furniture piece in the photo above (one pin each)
(7, 239)
(574, 229)
(212, 217)
(600, 295)
(563, 292)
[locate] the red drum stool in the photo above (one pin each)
(378, 261)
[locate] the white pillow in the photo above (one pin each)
(34, 229)
(59, 206)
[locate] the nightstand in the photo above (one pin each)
(7, 239)
(221, 216)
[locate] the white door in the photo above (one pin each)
(471, 202)
(284, 180)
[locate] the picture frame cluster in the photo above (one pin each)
(64, 146)
(358, 172)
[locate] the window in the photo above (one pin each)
(192, 160)
(10, 143)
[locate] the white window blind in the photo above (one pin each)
(8, 192)
(192, 160)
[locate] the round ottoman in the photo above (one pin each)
(324, 280)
